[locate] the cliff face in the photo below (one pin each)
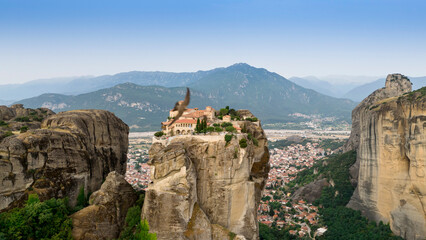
(392, 159)
(71, 150)
(203, 187)
(105, 217)
(396, 85)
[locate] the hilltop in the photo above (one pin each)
(270, 96)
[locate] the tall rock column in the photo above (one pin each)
(392, 163)
(205, 188)
(395, 85)
(72, 150)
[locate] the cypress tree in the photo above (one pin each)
(205, 124)
(197, 127)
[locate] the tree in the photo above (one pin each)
(266, 198)
(271, 212)
(204, 124)
(144, 234)
(24, 129)
(228, 137)
(223, 111)
(159, 134)
(230, 129)
(37, 220)
(197, 127)
(243, 143)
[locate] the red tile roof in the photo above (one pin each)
(186, 121)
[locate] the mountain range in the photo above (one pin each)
(350, 90)
(361, 92)
(325, 87)
(268, 95)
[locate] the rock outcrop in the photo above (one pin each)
(206, 188)
(311, 191)
(71, 150)
(396, 85)
(104, 218)
(392, 158)
(17, 117)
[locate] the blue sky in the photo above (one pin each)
(57, 38)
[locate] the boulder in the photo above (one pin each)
(105, 217)
(71, 150)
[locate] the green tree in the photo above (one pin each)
(37, 220)
(230, 129)
(243, 143)
(218, 129)
(228, 137)
(204, 124)
(24, 129)
(159, 134)
(197, 127)
(144, 234)
(223, 111)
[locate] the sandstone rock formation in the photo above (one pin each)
(16, 117)
(71, 150)
(311, 191)
(104, 218)
(396, 85)
(205, 188)
(392, 159)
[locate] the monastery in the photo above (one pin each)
(186, 124)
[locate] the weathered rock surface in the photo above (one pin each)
(311, 191)
(15, 117)
(392, 159)
(104, 218)
(396, 85)
(71, 150)
(204, 188)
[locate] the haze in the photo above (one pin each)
(47, 38)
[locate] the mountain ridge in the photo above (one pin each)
(271, 96)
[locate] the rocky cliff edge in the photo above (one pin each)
(71, 150)
(392, 158)
(206, 188)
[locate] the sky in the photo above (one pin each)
(62, 38)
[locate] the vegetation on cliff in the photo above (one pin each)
(37, 220)
(341, 222)
(135, 227)
(415, 95)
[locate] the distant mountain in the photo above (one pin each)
(141, 107)
(6, 102)
(268, 95)
(79, 85)
(361, 92)
(325, 87)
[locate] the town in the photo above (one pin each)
(276, 208)
(288, 156)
